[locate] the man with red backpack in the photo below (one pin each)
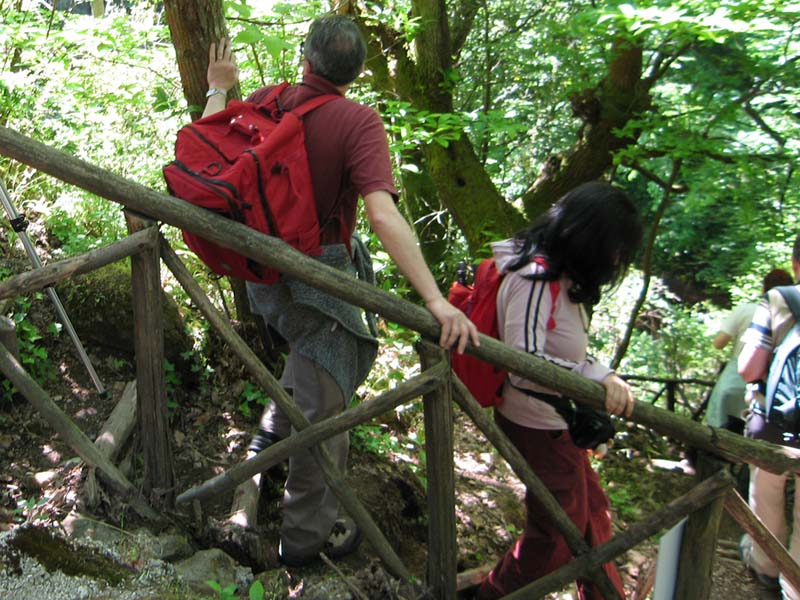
(331, 350)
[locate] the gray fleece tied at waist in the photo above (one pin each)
(327, 330)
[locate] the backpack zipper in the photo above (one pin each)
(218, 187)
(208, 142)
(262, 195)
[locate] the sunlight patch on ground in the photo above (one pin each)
(472, 464)
(51, 454)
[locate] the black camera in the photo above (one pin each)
(589, 428)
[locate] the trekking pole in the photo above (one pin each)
(19, 224)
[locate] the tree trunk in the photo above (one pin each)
(194, 25)
(98, 8)
(459, 178)
(466, 190)
(463, 186)
(621, 96)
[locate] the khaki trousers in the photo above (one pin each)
(309, 506)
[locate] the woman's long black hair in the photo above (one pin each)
(590, 235)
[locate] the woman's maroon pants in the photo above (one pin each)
(565, 471)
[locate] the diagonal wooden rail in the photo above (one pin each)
(52, 273)
(668, 516)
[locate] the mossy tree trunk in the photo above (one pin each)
(461, 183)
(621, 96)
(463, 186)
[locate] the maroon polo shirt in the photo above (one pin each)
(347, 152)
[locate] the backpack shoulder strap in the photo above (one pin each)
(306, 107)
(486, 283)
(312, 103)
(791, 295)
(274, 93)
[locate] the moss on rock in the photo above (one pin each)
(100, 307)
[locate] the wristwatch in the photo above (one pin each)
(214, 91)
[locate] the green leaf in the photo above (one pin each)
(256, 591)
(239, 8)
(250, 35)
(276, 45)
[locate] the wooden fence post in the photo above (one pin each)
(442, 547)
(699, 543)
(148, 335)
(671, 396)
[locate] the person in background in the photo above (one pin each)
(727, 402)
(330, 349)
(772, 320)
(586, 241)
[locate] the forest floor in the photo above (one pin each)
(210, 433)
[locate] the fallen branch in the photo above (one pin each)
(115, 432)
(72, 435)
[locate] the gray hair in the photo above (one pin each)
(335, 49)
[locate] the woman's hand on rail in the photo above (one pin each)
(619, 399)
(457, 329)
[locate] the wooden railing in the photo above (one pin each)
(672, 389)
(436, 384)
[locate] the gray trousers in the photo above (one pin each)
(309, 506)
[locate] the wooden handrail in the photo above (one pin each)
(272, 252)
(49, 275)
(673, 512)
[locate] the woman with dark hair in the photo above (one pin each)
(584, 242)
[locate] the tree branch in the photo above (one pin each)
(753, 114)
(462, 22)
(647, 174)
(663, 62)
(646, 260)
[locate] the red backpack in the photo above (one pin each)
(479, 302)
(249, 163)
